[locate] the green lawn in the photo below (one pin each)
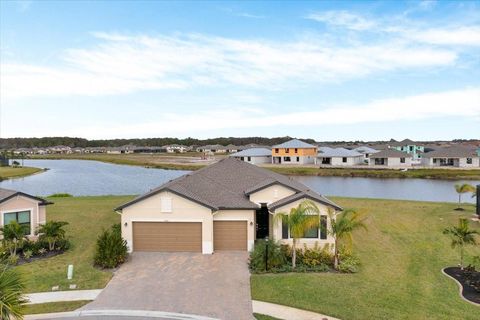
(264, 317)
(54, 307)
(87, 216)
(11, 172)
(402, 255)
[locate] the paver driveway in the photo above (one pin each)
(216, 286)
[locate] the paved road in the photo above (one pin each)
(216, 286)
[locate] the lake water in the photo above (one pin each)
(81, 177)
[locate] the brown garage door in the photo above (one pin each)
(167, 236)
(230, 235)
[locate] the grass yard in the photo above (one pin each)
(87, 216)
(55, 307)
(402, 255)
(263, 317)
(11, 172)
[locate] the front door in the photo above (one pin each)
(261, 218)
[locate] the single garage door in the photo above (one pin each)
(230, 235)
(167, 236)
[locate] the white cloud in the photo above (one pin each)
(456, 103)
(466, 36)
(343, 19)
(122, 64)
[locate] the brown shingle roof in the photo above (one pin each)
(6, 194)
(227, 184)
(390, 153)
(452, 152)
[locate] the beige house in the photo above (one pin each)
(391, 158)
(27, 210)
(225, 206)
(456, 156)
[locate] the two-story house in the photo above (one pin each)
(294, 152)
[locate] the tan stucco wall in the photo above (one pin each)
(239, 215)
(20, 203)
(267, 195)
(277, 227)
(183, 209)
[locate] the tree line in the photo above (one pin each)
(12, 143)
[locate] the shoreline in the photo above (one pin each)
(10, 172)
(155, 161)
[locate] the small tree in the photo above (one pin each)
(52, 231)
(463, 188)
(342, 226)
(12, 300)
(300, 219)
(461, 236)
(111, 249)
(13, 236)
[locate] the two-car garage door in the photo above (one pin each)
(187, 236)
(167, 236)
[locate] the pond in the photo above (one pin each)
(82, 177)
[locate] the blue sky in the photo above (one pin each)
(324, 70)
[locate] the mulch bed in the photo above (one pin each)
(470, 282)
(48, 254)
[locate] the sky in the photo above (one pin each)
(359, 70)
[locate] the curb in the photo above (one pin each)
(118, 313)
(60, 296)
(460, 289)
(286, 313)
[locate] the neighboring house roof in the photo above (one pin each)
(452, 152)
(253, 152)
(390, 153)
(328, 152)
(366, 149)
(226, 185)
(6, 194)
(405, 142)
(294, 143)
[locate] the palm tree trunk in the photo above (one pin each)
(335, 256)
(294, 254)
(461, 257)
(459, 199)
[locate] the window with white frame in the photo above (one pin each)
(166, 204)
(21, 217)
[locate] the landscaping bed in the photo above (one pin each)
(469, 279)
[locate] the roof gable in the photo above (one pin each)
(294, 143)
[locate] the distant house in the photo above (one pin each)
(27, 210)
(339, 157)
(95, 150)
(455, 156)
(254, 155)
(232, 148)
(175, 148)
(366, 151)
(294, 152)
(126, 149)
(411, 147)
(60, 149)
(391, 158)
(214, 148)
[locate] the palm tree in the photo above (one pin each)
(11, 294)
(463, 188)
(342, 226)
(300, 219)
(461, 236)
(13, 236)
(52, 231)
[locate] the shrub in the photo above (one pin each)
(42, 251)
(62, 245)
(276, 256)
(27, 254)
(315, 256)
(348, 264)
(60, 195)
(52, 231)
(111, 250)
(12, 260)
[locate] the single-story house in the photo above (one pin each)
(215, 148)
(254, 155)
(172, 148)
(294, 152)
(391, 158)
(27, 210)
(366, 151)
(455, 156)
(338, 157)
(225, 206)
